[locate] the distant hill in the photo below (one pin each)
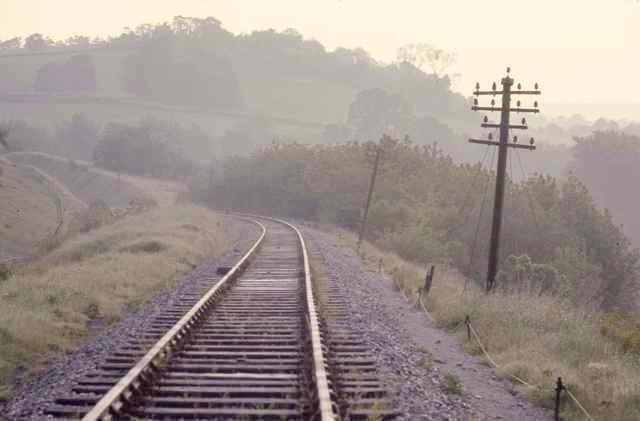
(194, 70)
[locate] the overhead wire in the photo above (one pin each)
(480, 213)
(467, 196)
(510, 167)
(528, 193)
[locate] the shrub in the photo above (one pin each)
(452, 383)
(149, 246)
(624, 332)
(5, 271)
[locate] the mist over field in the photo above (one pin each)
(278, 117)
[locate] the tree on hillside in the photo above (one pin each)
(247, 136)
(11, 44)
(82, 72)
(150, 148)
(23, 136)
(608, 162)
(36, 42)
(193, 74)
(146, 71)
(604, 243)
(78, 41)
(76, 74)
(375, 111)
(78, 136)
(421, 55)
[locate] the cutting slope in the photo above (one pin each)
(33, 207)
(90, 184)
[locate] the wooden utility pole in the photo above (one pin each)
(372, 184)
(503, 150)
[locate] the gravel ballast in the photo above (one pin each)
(30, 398)
(413, 357)
(416, 360)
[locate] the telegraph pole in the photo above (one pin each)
(503, 149)
(371, 186)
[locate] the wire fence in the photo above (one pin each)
(472, 333)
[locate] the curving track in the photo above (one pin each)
(250, 347)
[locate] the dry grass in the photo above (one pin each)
(45, 308)
(535, 338)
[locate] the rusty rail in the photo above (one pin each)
(126, 393)
(325, 403)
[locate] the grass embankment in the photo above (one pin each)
(536, 338)
(33, 207)
(45, 309)
(89, 183)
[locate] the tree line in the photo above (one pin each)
(195, 62)
(149, 147)
(427, 208)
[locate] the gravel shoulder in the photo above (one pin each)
(31, 397)
(415, 359)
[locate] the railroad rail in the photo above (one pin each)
(252, 345)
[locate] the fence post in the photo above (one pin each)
(467, 321)
(559, 388)
(428, 280)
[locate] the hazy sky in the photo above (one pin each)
(578, 50)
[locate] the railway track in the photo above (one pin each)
(251, 346)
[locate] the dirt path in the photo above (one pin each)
(415, 357)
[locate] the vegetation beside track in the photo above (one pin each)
(49, 308)
(537, 338)
(566, 266)
(427, 208)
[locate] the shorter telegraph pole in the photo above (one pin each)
(4, 133)
(503, 144)
(372, 184)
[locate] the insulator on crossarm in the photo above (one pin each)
(493, 87)
(490, 136)
(519, 86)
(532, 141)
(477, 86)
(515, 139)
(536, 86)
(493, 102)
(475, 101)
(535, 104)
(486, 119)
(518, 103)
(524, 121)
